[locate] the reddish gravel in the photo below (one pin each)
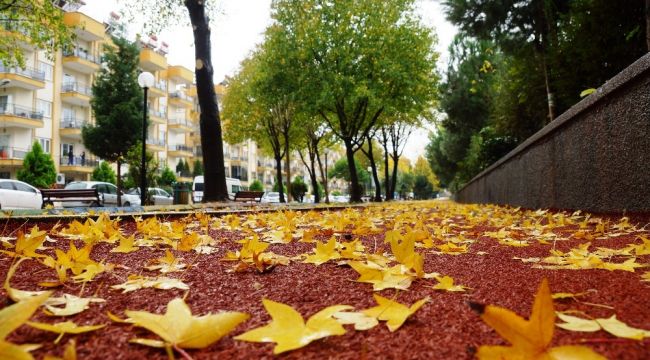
(445, 328)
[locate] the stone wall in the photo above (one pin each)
(594, 157)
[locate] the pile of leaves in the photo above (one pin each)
(319, 284)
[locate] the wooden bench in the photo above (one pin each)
(52, 195)
(249, 196)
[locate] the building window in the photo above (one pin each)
(45, 144)
(47, 69)
(67, 148)
(45, 107)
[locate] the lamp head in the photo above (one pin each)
(4, 82)
(146, 79)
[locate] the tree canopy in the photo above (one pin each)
(38, 168)
(38, 23)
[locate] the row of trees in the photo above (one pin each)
(516, 65)
(357, 73)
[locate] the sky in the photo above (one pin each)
(240, 26)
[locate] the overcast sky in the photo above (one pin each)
(239, 28)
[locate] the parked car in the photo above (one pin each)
(232, 184)
(16, 194)
(272, 197)
(160, 196)
(107, 192)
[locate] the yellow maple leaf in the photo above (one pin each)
(16, 294)
(612, 325)
(324, 252)
(62, 328)
(71, 304)
(288, 329)
(70, 352)
(396, 277)
(394, 313)
(126, 245)
(403, 247)
(529, 339)
(27, 244)
(179, 328)
(447, 283)
(13, 316)
(168, 263)
(136, 282)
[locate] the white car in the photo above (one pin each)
(232, 184)
(160, 196)
(271, 197)
(16, 194)
(107, 192)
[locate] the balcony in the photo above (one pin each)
(178, 98)
(86, 27)
(152, 61)
(12, 115)
(158, 89)
(180, 151)
(157, 117)
(180, 75)
(156, 144)
(76, 94)
(81, 61)
(71, 128)
(11, 156)
(17, 32)
(77, 164)
(179, 125)
(28, 78)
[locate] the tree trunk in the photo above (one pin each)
(384, 144)
(278, 169)
(373, 165)
(355, 188)
(647, 23)
(287, 167)
(119, 184)
(323, 176)
(215, 188)
(393, 180)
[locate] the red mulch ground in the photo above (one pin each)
(444, 328)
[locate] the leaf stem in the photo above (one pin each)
(183, 353)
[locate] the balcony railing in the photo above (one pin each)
(72, 123)
(157, 113)
(66, 160)
(27, 72)
(8, 152)
(161, 85)
(181, 95)
(183, 122)
(156, 142)
(20, 111)
(180, 148)
(82, 54)
(76, 87)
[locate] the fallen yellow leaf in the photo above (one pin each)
(394, 313)
(288, 329)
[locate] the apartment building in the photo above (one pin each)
(49, 101)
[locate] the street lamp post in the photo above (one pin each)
(145, 80)
(370, 182)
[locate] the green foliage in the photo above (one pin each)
(405, 182)
(276, 188)
(422, 188)
(36, 22)
(298, 188)
(167, 177)
(134, 160)
(117, 104)
(341, 170)
(38, 168)
(256, 185)
(347, 53)
(197, 169)
(104, 172)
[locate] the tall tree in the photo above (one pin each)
(165, 12)
(351, 56)
(36, 22)
(117, 105)
(38, 168)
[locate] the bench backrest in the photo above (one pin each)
(249, 195)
